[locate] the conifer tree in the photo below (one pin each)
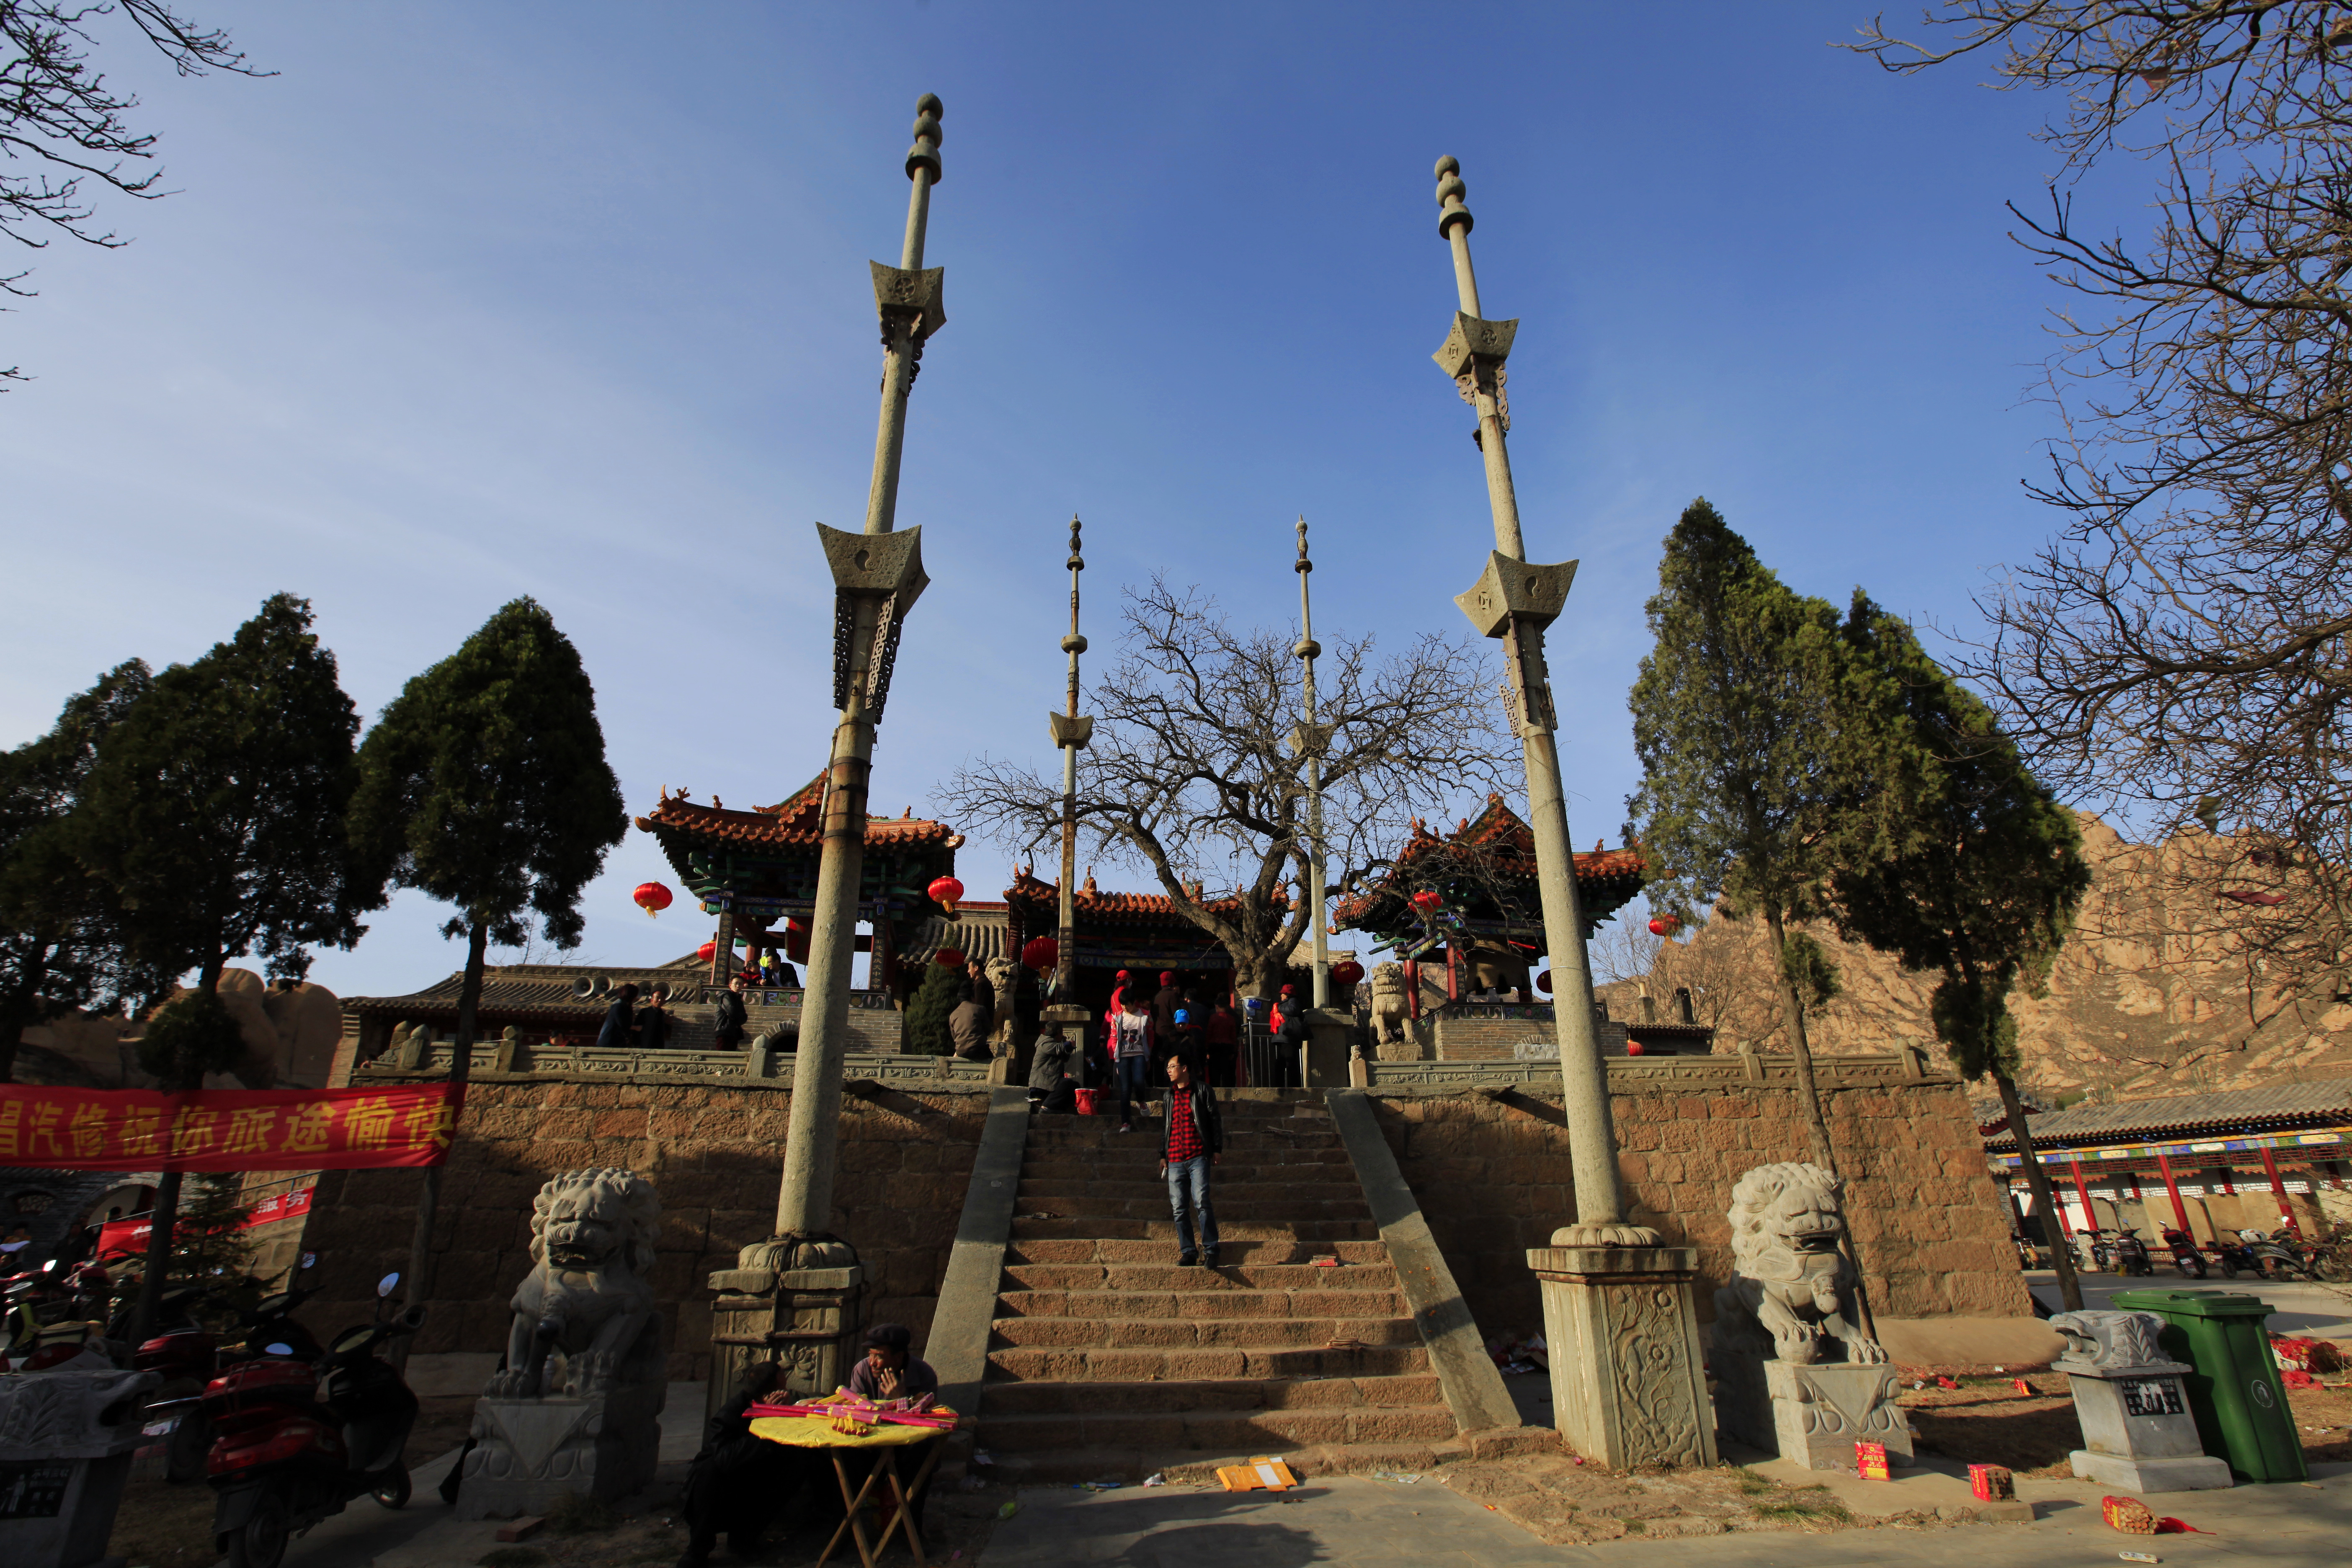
(927, 1014)
(1982, 882)
(1735, 724)
(57, 932)
(214, 812)
(484, 785)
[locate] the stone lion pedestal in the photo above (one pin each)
(1623, 1326)
(1794, 1375)
(2134, 1412)
(578, 1407)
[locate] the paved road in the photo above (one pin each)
(2302, 1309)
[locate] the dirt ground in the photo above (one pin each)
(957, 1526)
(1565, 1503)
(1986, 1421)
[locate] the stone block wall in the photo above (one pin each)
(1494, 1179)
(714, 1152)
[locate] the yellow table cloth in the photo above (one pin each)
(817, 1432)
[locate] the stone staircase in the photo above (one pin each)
(1110, 1361)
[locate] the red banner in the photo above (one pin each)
(130, 1235)
(226, 1129)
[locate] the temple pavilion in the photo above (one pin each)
(757, 870)
(1488, 920)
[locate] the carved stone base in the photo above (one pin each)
(66, 1441)
(2198, 1475)
(1627, 1385)
(1817, 1413)
(530, 1452)
(804, 1317)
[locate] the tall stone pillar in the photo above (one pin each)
(1617, 1305)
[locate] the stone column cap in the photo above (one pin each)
(1548, 1260)
(2074, 1366)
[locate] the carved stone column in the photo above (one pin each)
(790, 1301)
(1626, 1387)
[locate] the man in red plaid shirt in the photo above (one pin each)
(1192, 1136)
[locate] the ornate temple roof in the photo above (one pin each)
(2319, 1102)
(1092, 906)
(1494, 844)
(794, 823)
(530, 993)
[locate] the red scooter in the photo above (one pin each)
(301, 1430)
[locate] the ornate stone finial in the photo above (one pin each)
(925, 152)
(1077, 563)
(1449, 192)
(1302, 564)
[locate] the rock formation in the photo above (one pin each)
(2154, 992)
(290, 1033)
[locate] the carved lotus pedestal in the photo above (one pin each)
(528, 1453)
(1821, 1410)
(1623, 1326)
(790, 1301)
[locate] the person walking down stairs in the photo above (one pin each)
(1192, 1136)
(1130, 1050)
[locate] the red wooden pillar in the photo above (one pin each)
(2180, 1209)
(1452, 972)
(1412, 988)
(2090, 1214)
(2286, 1213)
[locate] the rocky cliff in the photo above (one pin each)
(2155, 991)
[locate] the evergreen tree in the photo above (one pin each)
(214, 812)
(1736, 721)
(1982, 883)
(210, 1246)
(927, 1014)
(484, 784)
(58, 945)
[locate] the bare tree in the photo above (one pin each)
(1194, 771)
(59, 116)
(2180, 649)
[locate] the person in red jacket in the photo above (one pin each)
(1221, 1039)
(1192, 1136)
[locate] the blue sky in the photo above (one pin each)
(572, 301)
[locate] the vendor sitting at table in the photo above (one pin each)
(890, 1376)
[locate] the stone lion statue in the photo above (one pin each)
(1004, 977)
(592, 1242)
(1790, 1295)
(1389, 1016)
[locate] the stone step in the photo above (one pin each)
(1062, 1466)
(1213, 1333)
(1143, 1143)
(1117, 1188)
(1232, 1228)
(1108, 1304)
(1271, 1209)
(1230, 1394)
(1237, 1164)
(1224, 1431)
(1166, 1274)
(1249, 1253)
(1102, 1364)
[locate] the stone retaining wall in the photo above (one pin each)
(1493, 1174)
(713, 1150)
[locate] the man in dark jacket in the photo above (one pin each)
(1192, 1136)
(1164, 1004)
(1051, 1085)
(727, 1034)
(619, 1029)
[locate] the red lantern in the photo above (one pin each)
(945, 892)
(652, 898)
(707, 952)
(949, 958)
(1632, 1047)
(1347, 971)
(1663, 925)
(1428, 902)
(1041, 953)
(1543, 982)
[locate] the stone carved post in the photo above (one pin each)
(2132, 1406)
(1071, 733)
(1310, 739)
(1626, 1385)
(803, 1281)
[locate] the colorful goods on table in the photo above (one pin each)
(1265, 1474)
(855, 1416)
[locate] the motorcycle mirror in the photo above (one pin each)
(280, 1349)
(50, 1264)
(385, 1286)
(310, 1261)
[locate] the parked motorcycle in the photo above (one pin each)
(2279, 1255)
(2187, 1256)
(2094, 1253)
(301, 1431)
(2131, 1254)
(2236, 1258)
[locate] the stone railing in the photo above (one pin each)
(1644, 1075)
(597, 1062)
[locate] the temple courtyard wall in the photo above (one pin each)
(1488, 1161)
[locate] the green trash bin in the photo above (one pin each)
(2235, 1393)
